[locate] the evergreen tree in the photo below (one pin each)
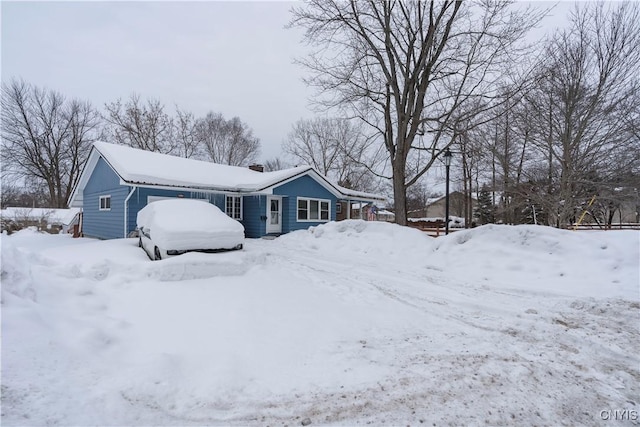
(485, 210)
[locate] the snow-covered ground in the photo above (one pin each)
(348, 323)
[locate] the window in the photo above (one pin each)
(338, 207)
(105, 203)
(303, 210)
(234, 207)
(324, 211)
(313, 210)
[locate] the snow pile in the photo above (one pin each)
(15, 270)
(348, 323)
(560, 261)
(359, 238)
(182, 224)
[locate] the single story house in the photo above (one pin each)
(436, 207)
(46, 219)
(363, 210)
(117, 181)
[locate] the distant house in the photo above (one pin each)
(436, 208)
(385, 215)
(118, 181)
(45, 219)
(370, 211)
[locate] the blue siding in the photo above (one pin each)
(111, 224)
(253, 207)
(254, 211)
(305, 186)
(140, 196)
(104, 224)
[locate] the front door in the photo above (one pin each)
(274, 215)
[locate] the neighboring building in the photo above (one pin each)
(436, 208)
(45, 219)
(368, 211)
(118, 181)
(386, 215)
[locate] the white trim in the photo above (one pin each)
(241, 191)
(226, 197)
(76, 199)
(337, 191)
(185, 189)
(313, 175)
(309, 199)
(104, 197)
(274, 228)
(126, 210)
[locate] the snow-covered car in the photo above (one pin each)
(173, 227)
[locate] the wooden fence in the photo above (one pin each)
(437, 229)
(433, 229)
(623, 226)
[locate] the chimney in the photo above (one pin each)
(256, 167)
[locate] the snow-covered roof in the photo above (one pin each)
(357, 205)
(146, 168)
(365, 204)
(360, 194)
(53, 216)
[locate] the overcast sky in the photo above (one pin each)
(235, 58)
(230, 57)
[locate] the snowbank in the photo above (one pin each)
(16, 270)
(543, 259)
(359, 238)
(347, 323)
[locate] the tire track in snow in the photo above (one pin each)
(439, 298)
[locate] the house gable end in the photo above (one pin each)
(98, 220)
(307, 187)
(310, 173)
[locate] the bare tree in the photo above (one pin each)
(572, 134)
(587, 103)
(10, 194)
(186, 143)
(211, 136)
(409, 69)
(243, 147)
(45, 138)
(503, 144)
(142, 125)
(418, 197)
(229, 142)
(26, 192)
(275, 164)
(335, 147)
